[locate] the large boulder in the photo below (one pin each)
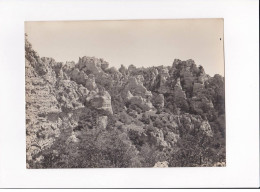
(136, 87)
(101, 101)
(91, 64)
(178, 92)
(140, 102)
(153, 73)
(68, 95)
(163, 77)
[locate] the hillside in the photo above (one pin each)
(87, 114)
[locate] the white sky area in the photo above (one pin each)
(143, 43)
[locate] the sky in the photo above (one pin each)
(143, 43)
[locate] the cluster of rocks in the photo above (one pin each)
(58, 93)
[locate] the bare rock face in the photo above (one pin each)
(136, 87)
(139, 101)
(90, 83)
(79, 76)
(68, 96)
(57, 68)
(90, 64)
(135, 93)
(205, 126)
(101, 101)
(187, 79)
(154, 73)
(178, 92)
(46, 65)
(188, 74)
(83, 92)
(41, 130)
(164, 75)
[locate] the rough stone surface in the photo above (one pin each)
(178, 92)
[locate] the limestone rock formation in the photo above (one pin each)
(139, 101)
(205, 126)
(90, 64)
(87, 114)
(178, 92)
(164, 75)
(136, 87)
(101, 101)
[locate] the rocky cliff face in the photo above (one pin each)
(85, 114)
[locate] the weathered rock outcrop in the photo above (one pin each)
(156, 112)
(101, 101)
(90, 64)
(144, 104)
(135, 86)
(135, 93)
(205, 126)
(163, 77)
(41, 131)
(178, 92)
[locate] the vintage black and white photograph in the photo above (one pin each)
(125, 94)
